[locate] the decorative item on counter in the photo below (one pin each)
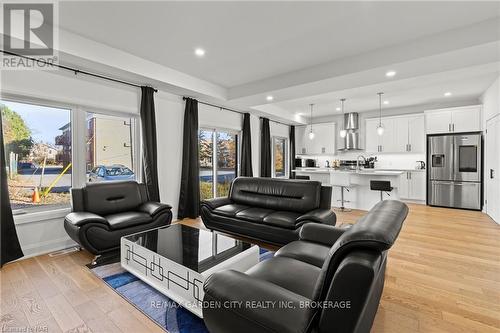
(420, 165)
(370, 162)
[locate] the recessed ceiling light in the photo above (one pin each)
(386, 102)
(337, 109)
(447, 94)
(269, 98)
(199, 52)
(390, 73)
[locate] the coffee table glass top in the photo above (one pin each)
(198, 250)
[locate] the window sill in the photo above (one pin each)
(33, 217)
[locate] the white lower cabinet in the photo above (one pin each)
(412, 185)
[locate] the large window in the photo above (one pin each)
(38, 153)
(50, 149)
(218, 161)
(280, 157)
(109, 148)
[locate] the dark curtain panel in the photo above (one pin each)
(291, 162)
(265, 149)
(10, 249)
(246, 148)
(149, 154)
(189, 198)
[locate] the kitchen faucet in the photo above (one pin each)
(358, 168)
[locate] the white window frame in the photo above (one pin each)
(78, 149)
(285, 157)
(214, 131)
(136, 137)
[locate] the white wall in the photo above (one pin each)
(491, 101)
(491, 108)
(169, 126)
(44, 232)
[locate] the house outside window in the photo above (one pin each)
(46, 158)
(38, 156)
(218, 154)
(280, 157)
(109, 148)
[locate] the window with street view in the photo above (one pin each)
(38, 149)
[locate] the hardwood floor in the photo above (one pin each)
(443, 275)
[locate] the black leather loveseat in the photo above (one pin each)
(270, 210)
(104, 212)
(330, 280)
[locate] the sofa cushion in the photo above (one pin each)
(255, 214)
(282, 219)
(230, 210)
(112, 197)
(127, 219)
(294, 275)
(309, 252)
(276, 194)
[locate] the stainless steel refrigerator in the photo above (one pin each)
(455, 171)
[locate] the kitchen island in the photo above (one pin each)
(356, 184)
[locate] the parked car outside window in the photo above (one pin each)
(109, 173)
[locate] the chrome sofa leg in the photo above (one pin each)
(96, 258)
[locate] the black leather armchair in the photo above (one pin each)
(330, 280)
(104, 212)
(269, 210)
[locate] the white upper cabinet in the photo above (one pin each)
(401, 134)
(466, 119)
(387, 142)
(372, 144)
(323, 142)
(300, 133)
(453, 120)
(416, 134)
(438, 122)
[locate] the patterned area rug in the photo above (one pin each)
(169, 315)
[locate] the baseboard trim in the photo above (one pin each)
(33, 250)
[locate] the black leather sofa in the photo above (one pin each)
(330, 280)
(269, 210)
(104, 212)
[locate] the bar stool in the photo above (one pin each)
(342, 180)
(382, 186)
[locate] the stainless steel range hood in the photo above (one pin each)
(351, 141)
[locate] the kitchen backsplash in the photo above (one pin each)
(384, 161)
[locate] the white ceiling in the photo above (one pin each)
(299, 52)
(429, 89)
(249, 41)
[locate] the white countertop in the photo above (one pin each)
(368, 172)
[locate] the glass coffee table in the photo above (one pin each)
(177, 259)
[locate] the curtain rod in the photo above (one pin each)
(75, 70)
(103, 77)
(224, 108)
(215, 106)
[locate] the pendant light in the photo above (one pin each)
(343, 131)
(380, 128)
(311, 133)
